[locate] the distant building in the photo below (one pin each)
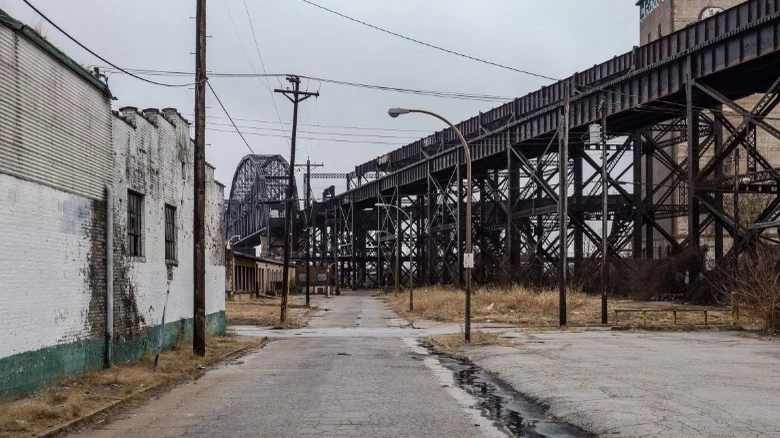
(255, 275)
(662, 17)
(70, 171)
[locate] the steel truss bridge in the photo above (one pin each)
(673, 96)
(255, 211)
(664, 102)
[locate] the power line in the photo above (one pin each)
(267, 84)
(262, 65)
(152, 72)
(240, 41)
(433, 93)
(647, 108)
(422, 92)
(336, 140)
(257, 46)
(362, 128)
(317, 119)
(452, 52)
(342, 134)
(98, 56)
(228, 115)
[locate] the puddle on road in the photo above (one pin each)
(510, 410)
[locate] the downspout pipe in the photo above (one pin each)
(109, 277)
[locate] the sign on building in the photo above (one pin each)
(647, 7)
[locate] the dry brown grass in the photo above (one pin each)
(265, 312)
(452, 343)
(95, 390)
(522, 306)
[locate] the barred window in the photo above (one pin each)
(135, 205)
(170, 233)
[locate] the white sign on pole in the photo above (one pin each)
(468, 260)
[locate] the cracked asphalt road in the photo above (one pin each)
(687, 384)
(355, 372)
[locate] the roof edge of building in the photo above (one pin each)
(31, 35)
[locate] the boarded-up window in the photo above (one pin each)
(170, 233)
(135, 208)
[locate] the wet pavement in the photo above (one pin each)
(356, 371)
(510, 410)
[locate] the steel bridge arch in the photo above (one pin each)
(259, 186)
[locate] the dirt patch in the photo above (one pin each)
(85, 394)
(452, 343)
(539, 308)
(265, 311)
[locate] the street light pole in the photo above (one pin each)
(411, 277)
(468, 257)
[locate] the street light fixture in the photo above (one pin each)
(395, 112)
(411, 278)
(468, 257)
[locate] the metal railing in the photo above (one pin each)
(674, 312)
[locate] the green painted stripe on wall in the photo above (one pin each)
(31, 371)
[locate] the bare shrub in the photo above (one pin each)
(40, 28)
(755, 285)
(672, 277)
(587, 275)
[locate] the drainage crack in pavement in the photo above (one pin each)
(508, 411)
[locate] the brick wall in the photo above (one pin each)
(52, 266)
(55, 158)
(154, 158)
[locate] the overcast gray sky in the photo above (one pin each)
(551, 37)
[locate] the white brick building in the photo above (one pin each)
(62, 151)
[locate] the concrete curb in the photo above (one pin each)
(63, 427)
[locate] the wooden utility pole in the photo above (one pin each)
(199, 231)
(563, 155)
(604, 210)
(297, 97)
